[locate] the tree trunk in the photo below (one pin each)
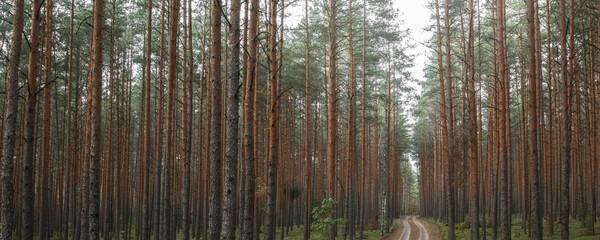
(158, 203)
(46, 127)
(249, 122)
(308, 158)
(94, 114)
(332, 111)
(273, 110)
(536, 197)
(28, 184)
(473, 134)
(565, 162)
(214, 225)
(232, 142)
(147, 148)
(10, 127)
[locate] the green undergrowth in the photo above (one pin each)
(576, 230)
(298, 233)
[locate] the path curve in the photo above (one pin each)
(423, 232)
(406, 232)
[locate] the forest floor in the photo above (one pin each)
(397, 230)
(413, 228)
(298, 233)
(576, 230)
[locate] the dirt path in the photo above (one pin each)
(406, 232)
(423, 234)
(408, 221)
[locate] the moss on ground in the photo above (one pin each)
(576, 230)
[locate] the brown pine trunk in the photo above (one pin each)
(232, 142)
(273, 110)
(351, 151)
(94, 114)
(444, 123)
(502, 109)
(308, 158)
(473, 134)
(46, 127)
(171, 118)
(536, 197)
(158, 203)
(28, 184)
(10, 127)
(363, 139)
(147, 147)
(70, 160)
(249, 124)
(565, 160)
(332, 110)
(186, 117)
(214, 214)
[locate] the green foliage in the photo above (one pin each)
(322, 216)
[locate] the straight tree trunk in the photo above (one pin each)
(249, 124)
(536, 197)
(158, 204)
(46, 127)
(69, 179)
(147, 148)
(214, 214)
(502, 109)
(332, 111)
(473, 133)
(565, 112)
(363, 131)
(444, 122)
(232, 141)
(273, 110)
(171, 117)
(28, 184)
(94, 113)
(308, 158)
(351, 151)
(10, 126)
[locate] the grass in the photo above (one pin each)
(576, 230)
(298, 233)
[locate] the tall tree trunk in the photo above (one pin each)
(351, 151)
(473, 133)
(158, 203)
(536, 197)
(232, 142)
(444, 122)
(46, 127)
(332, 111)
(308, 158)
(249, 122)
(147, 148)
(10, 127)
(171, 117)
(94, 114)
(214, 225)
(273, 110)
(363, 131)
(28, 184)
(502, 110)
(70, 179)
(565, 160)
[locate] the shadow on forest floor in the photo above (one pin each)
(576, 230)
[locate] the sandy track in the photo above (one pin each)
(423, 235)
(406, 232)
